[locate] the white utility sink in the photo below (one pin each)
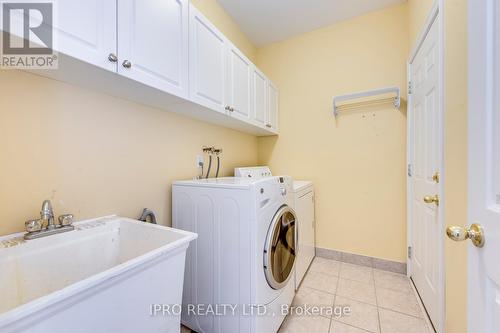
(106, 276)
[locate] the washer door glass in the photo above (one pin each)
(279, 252)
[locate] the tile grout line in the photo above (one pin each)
(358, 328)
(376, 302)
(381, 307)
(335, 298)
(426, 318)
(403, 313)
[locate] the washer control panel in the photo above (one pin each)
(253, 172)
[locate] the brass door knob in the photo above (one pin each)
(436, 178)
(474, 233)
(432, 199)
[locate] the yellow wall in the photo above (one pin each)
(357, 162)
(456, 160)
(455, 19)
(218, 16)
(93, 154)
(96, 155)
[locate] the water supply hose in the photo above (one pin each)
(209, 165)
(218, 166)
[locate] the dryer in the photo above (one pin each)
(244, 256)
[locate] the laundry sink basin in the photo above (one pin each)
(105, 276)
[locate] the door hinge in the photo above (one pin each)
(409, 170)
(409, 252)
(410, 88)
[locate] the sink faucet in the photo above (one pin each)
(47, 214)
(45, 226)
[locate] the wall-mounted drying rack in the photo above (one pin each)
(396, 100)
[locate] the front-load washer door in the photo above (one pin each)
(279, 250)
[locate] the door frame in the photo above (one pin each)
(435, 15)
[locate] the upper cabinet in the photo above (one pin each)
(153, 43)
(145, 40)
(260, 105)
(223, 79)
(164, 44)
(86, 30)
(265, 98)
(207, 62)
(272, 109)
(239, 84)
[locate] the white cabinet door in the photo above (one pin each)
(207, 62)
(85, 30)
(272, 109)
(153, 43)
(239, 84)
(259, 93)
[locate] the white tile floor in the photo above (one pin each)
(380, 301)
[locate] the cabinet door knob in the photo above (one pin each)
(231, 109)
(227, 108)
(112, 57)
(127, 64)
(268, 125)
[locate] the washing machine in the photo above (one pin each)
(240, 271)
(303, 204)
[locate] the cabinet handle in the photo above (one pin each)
(228, 108)
(112, 57)
(268, 125)
(231, 109)
(127, 64)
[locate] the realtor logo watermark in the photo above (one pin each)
(28, 35)
(259, 310)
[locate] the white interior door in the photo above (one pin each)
(426, 159)
(153, 43)
(484, 164)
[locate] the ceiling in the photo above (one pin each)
(269, 21)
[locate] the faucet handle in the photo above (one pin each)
(33, 225)
(66, 219)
